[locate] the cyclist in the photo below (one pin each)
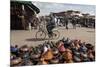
(50, 25)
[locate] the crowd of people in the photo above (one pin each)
(50, 52)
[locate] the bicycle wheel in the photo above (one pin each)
(40, 35)
(56, 34)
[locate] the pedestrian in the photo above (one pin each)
(74, 23)
(66, 22)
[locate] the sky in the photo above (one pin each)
(47, 7)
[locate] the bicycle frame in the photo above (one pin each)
(44, 30)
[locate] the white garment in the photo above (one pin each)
(45, 49)
(55, 19)
(29, 26)
(49, 47)
(58, 21)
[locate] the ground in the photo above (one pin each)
(22, 37)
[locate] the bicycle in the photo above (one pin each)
(41, 34)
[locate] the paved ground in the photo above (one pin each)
(21, 37)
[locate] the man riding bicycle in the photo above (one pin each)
(50, 25)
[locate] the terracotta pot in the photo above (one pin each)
(24, 49)
(54, 61)
(48, 55)
(16, 61)
(55, 51)
(77, 59)
(34, 56)
(42, 62)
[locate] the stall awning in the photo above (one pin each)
(27, 3)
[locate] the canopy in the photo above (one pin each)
(27, 3)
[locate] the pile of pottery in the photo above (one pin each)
(62, 51)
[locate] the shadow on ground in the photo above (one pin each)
(36, 39)
(91, 31)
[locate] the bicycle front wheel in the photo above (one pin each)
(40, 35)
(56, 34)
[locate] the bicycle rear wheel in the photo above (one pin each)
(40, 35)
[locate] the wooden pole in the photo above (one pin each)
(23, 17)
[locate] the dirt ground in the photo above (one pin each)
(22, 37)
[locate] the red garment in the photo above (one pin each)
(61, 48)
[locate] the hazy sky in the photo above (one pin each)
(47, 7)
